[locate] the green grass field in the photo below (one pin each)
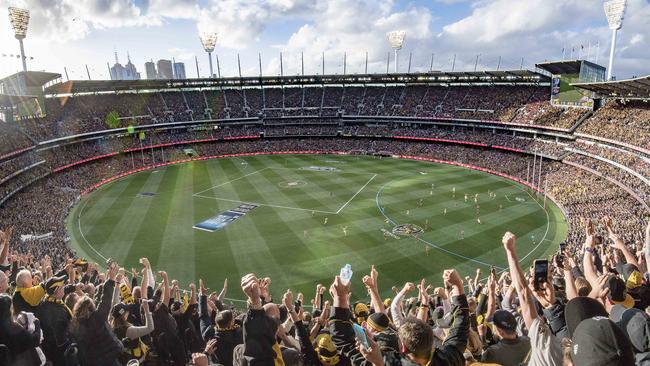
(286, 238)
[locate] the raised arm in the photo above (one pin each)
(423, 298)
(224, 290)
(108, 290)
(492, 296)
(134, 332)
(569, 281)
(143, 287)
(588, 256)
(205, 322)
(259, 329)
(396, 304)
(518, 281)
(307, 352)
(618, 242)
(459, 331)
(166, 292)
(5, 239)
(646, 250)
(341, 326)
(371, 285)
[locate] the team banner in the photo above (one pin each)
(218, 222)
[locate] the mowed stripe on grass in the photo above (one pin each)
(295, 247)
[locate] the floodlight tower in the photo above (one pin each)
(396, 40)
(208, 40)
(19, 19)
(615, 12)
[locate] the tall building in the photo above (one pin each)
(150, 70)
(165, 69)
(131, 72)
(179, 70)
(127, 72)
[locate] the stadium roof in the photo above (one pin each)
(637, 88)
(435, 77)
(565, 66)
(32, 78)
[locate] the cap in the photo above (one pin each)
(119, 309)
(326, 350)
(618, 293)
(635, 324)
(505, 320)
(360, 310)
(379, 322)
(581, 308)
(631, 275)
(53, 283)
(599, 341)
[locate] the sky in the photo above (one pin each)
(477, 33)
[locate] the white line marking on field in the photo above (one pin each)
(82, 233)
(359, 191)
(266, 204)
(548, 226)
(230, 181)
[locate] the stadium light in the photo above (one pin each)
(396, 40)
(615, 12)
(209, 40)
(19, 19)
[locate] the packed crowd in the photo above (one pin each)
(585, 306)
(628, 122)
(68, 116)
(633, 182)
(544, 114)
(577, 191)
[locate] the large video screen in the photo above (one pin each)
(563, 94)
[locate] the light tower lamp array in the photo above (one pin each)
(19, 19)
(209, 40)
(396, 40)
(615, 12)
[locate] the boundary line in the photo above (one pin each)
(82, 233)
(548, 226)
(435, 246)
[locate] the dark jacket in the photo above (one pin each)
(259, 338)
(227, 339)
(55, 318)
(21, 343)
(345, 341)
(450, 354)
(555, 317)
(97, 343)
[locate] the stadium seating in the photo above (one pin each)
(599, 170)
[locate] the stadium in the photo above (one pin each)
(412, 175)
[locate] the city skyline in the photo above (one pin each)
(474, 31)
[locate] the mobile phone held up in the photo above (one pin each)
(360, 335)
(541, 273)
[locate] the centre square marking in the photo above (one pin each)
(327, 192)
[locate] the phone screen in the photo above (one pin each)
(541, 272)
(360, 335)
